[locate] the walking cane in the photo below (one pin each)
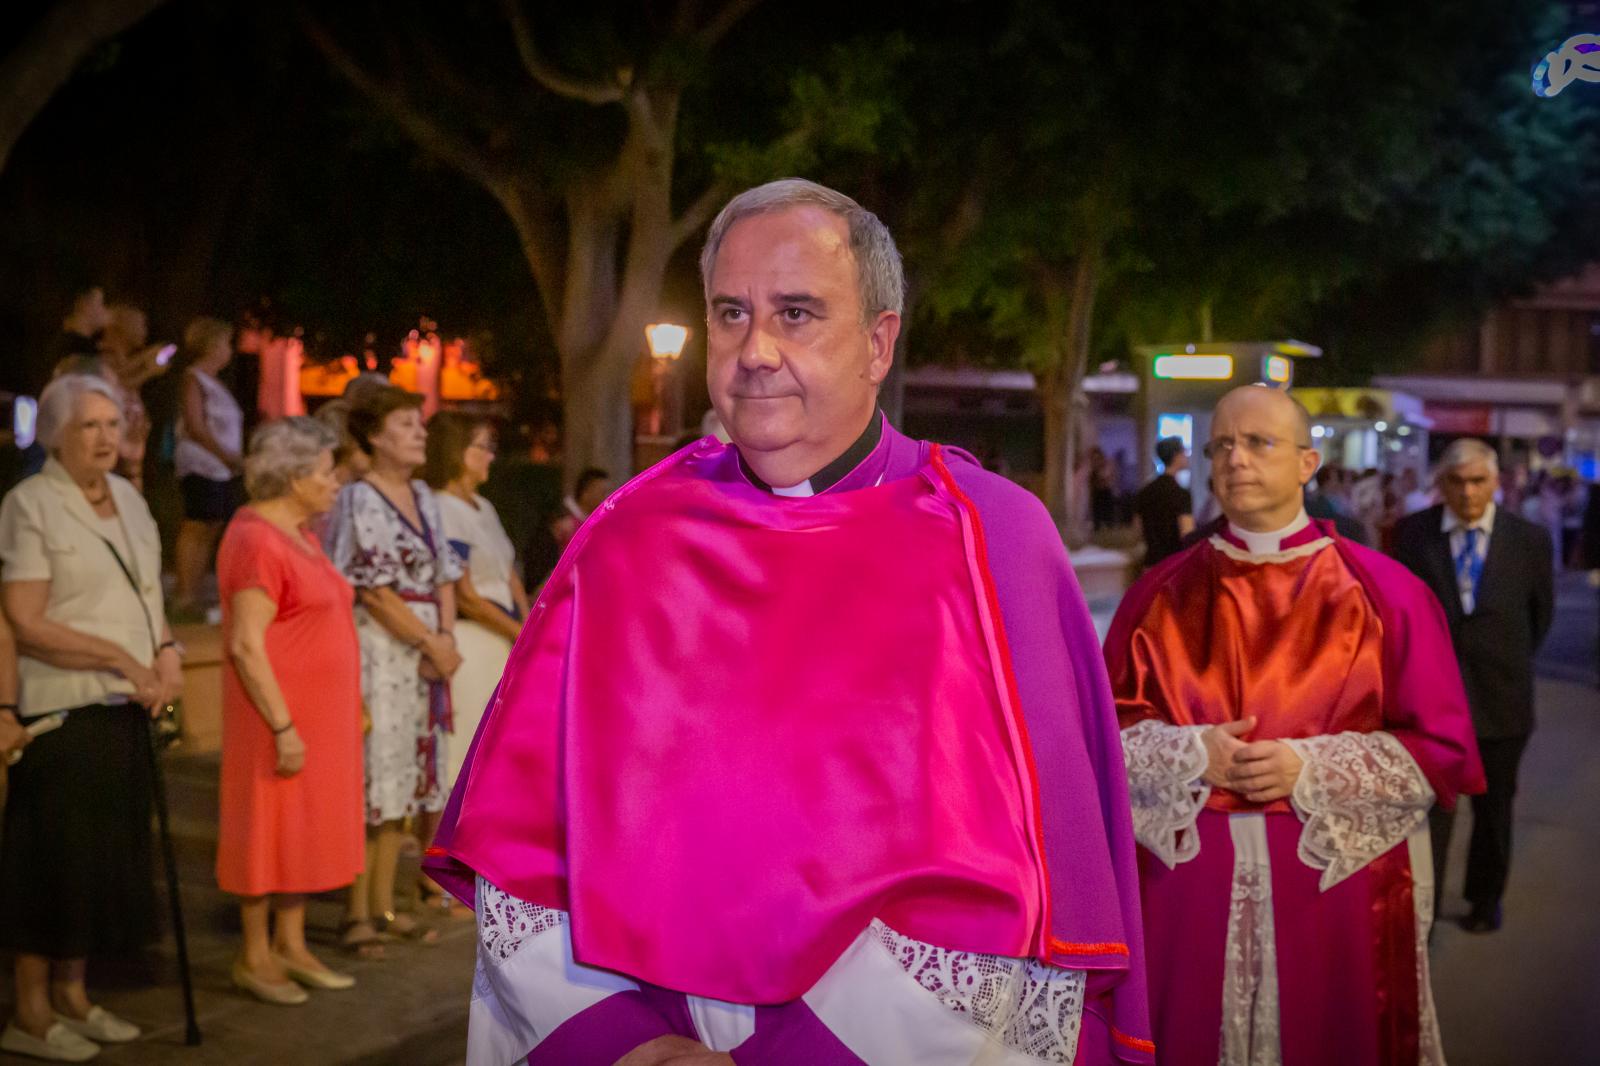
(191, 1036)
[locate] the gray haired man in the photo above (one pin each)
(1491, 571)
(846, 745)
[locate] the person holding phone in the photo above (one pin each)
(130, 362)
(82, 592)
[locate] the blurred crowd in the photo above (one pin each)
(369, 596)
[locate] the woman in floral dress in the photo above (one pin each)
(386, 537)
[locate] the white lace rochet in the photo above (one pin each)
(1251, 1025)
(1025, 1005)
(1166, 764)
(1022, 1004)
(1360, 794)
(505, 922)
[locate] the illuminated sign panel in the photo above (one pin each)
(1277, 368)
(1193, 367)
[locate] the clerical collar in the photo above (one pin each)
(834, 472)
(1268, 543)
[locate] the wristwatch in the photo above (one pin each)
(175, 645)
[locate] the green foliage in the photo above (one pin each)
(843, 106)
(1280, 165)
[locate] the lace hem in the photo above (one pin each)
(1359, 794)
(1028, 1007)
(1166, 764)
(505, 922)
(1251, 1034)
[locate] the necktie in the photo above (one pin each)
(1469, 568)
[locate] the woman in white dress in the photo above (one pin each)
(387, 539)
(490, 599)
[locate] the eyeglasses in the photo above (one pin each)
(1253, 444)
(490, 447)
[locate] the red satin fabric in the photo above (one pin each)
(1298, 643)
(870, 753)
(1223, 642)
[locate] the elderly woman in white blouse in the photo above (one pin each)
(82, 591)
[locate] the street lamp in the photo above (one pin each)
(666, 340)
(665, 416)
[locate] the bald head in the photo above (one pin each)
(1261, 456)
(1274, 404)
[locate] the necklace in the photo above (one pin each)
(96, 501)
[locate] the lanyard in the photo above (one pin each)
(131, 574)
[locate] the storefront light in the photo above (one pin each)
(1193, 367)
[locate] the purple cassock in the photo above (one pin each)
(827, 774)
(1293, 931)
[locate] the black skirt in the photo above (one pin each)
(76, 877)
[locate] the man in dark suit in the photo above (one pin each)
(1492, 571)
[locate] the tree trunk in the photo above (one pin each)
(36, 68)
(1069, 303)
(598, 249)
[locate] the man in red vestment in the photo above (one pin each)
(1291, 709)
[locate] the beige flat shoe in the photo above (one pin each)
(287, 994)
(59, 1044)
(101, 1026)
(323, 979)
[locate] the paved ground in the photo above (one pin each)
(410, 1008)
(1531, 992)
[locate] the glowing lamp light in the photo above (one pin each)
(666, 340)
(1193, 367)
(1278, 369)
(1381, 427)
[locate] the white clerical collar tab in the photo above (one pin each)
(802, 489)
(1269, 543)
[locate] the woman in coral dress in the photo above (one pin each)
(291, 821)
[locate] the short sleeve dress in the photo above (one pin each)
(476, 535)
(375, 546)
(302, 833)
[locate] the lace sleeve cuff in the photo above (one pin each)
(1359, 794)
(1166, 764)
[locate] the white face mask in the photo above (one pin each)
(1182, 477)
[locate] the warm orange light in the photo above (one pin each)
(666, 340)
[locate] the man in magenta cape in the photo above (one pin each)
(1291, 709)
(806, 754)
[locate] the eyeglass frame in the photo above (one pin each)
(1264, 446)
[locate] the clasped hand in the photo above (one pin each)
(1260, 771)
(440, 659)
